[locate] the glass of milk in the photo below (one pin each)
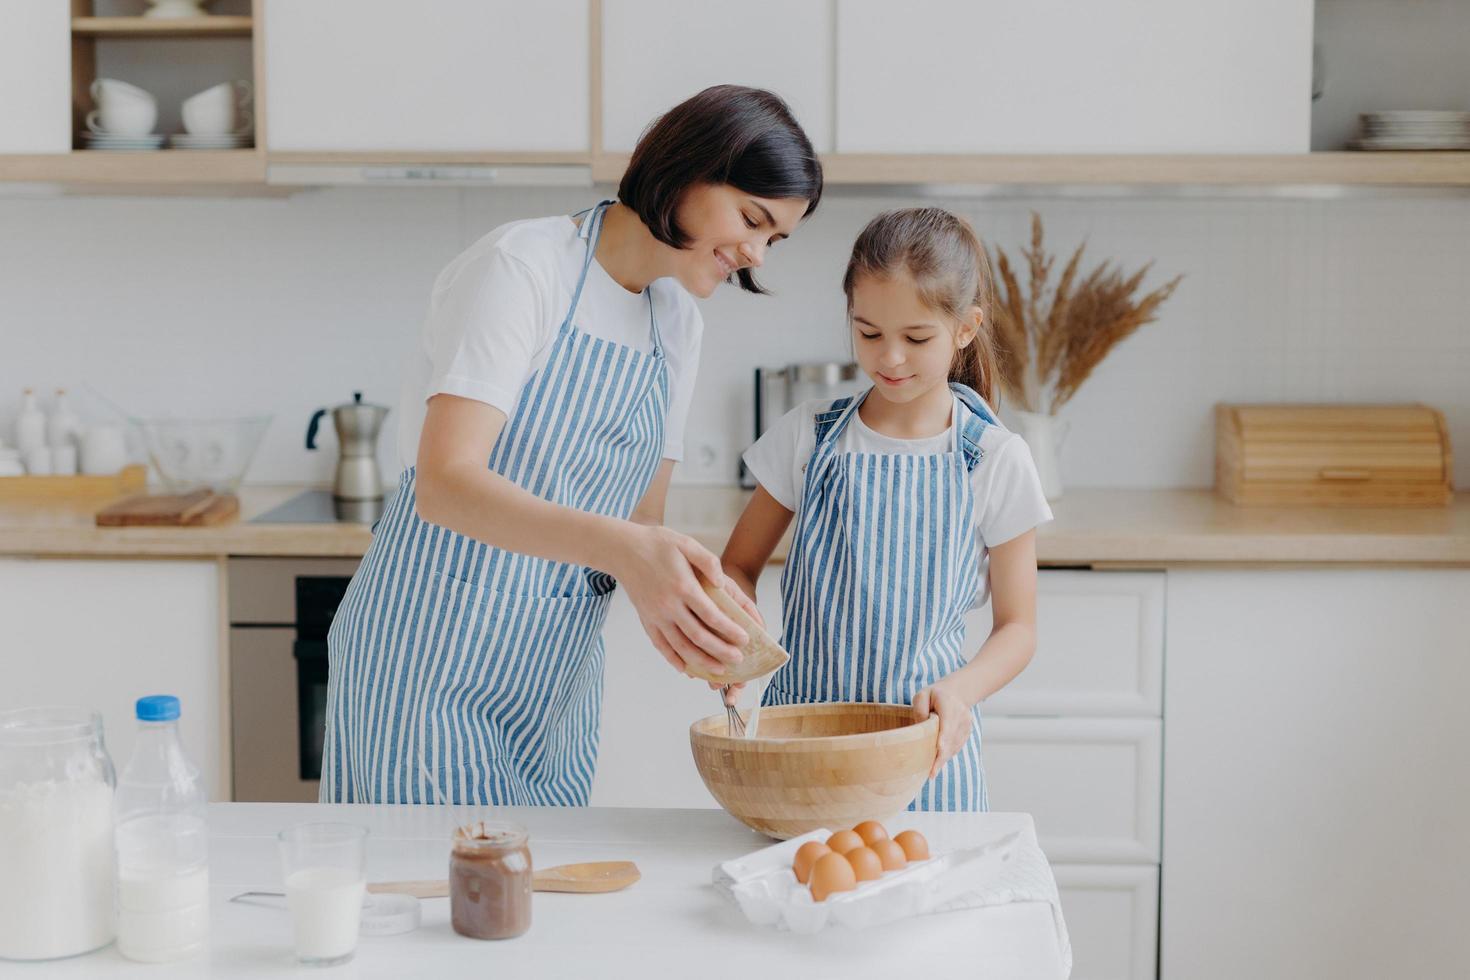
(325, 883)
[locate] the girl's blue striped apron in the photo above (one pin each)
(883, 567)
(466, 673)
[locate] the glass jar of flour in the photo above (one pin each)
(56, 783)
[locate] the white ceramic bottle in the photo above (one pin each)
(30, 425)
(63, 428)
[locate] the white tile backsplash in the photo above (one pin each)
(234, 306)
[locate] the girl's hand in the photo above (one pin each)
(656, 566)
(954, 721)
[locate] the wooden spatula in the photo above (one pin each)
(589, 877)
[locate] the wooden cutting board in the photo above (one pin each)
(200, 508)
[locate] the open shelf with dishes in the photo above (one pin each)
(143, 113)
(217, 25)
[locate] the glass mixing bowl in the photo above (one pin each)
(194, 454)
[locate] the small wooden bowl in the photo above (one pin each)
(816, 765)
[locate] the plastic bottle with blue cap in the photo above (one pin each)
(162, 854)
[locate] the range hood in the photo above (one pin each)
(427, 175)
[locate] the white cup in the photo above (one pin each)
(38, 461)
(64, 460)
(107, 89)
(122, 109)
(218, 110)
(10, 463)
(123, 119)
(104, 450)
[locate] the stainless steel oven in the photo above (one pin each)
(280, 611)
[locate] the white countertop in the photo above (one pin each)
(672, 923)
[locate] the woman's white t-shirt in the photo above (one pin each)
(1006, 489)
(496, 309)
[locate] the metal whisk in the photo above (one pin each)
(732, 716)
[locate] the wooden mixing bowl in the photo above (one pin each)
(816, 765)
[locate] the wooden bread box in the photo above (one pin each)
(1333, 455)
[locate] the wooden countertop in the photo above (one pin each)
(1149, 528)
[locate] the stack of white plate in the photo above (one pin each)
(224, 141)
(107, 141)
(1406, 129)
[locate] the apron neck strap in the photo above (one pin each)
(829, 424)
(966, 430)
(971, 423)
(590, 232)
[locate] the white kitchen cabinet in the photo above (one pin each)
(1056, 76)
(1093, 784)
(1099, 647)
(1317, 775)
(35, 77)
(453, 75)
(655, 53)
(1112, 918)
(101, 634)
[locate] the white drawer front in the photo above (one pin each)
(1099, 647)
(1112, 914)
(1092, 784)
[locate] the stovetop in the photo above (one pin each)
(320, 507)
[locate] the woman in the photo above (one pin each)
(466, 658)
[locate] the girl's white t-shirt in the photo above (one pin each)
(495, 311)
(1006, 489)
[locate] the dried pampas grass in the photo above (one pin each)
(1049, 340)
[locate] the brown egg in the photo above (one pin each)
(891, 854)
(844, 841)
(866, 865)
(806, 856)
(915, 847)
(871, 831)
(831, 873)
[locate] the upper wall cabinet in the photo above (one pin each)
(1058, 76)
(657, 52)
(467, 76)
(35, 77)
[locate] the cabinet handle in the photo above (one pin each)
(1344, 476)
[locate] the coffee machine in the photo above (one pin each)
(780, 389)
(358, 424)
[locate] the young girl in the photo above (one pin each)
(913, 504)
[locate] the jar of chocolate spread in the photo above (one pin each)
(490, 880)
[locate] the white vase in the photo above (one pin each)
(1044, 435)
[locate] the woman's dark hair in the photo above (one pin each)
(727, 134)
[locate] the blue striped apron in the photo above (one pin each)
(883, 567)
(467, 673)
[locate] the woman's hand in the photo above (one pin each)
(657, 568)
(731, 691)
(954, 721)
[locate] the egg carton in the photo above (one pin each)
(765, 888)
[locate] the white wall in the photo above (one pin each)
(231, 306)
